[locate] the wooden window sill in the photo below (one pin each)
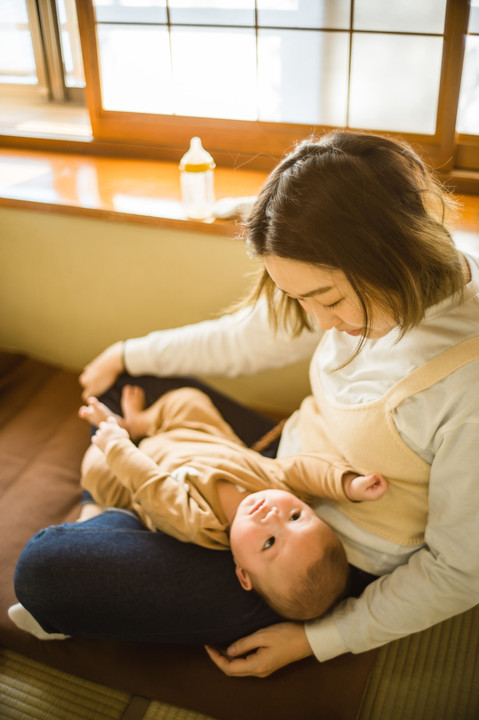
(118, 189)
(133, 190)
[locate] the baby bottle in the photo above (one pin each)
(197, 192)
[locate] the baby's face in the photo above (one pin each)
(272, 534)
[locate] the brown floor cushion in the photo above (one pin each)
(41, 445)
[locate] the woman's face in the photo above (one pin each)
(328, 296)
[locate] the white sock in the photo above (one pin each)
(25, 621)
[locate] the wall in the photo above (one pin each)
(70, 286)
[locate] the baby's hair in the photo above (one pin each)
(313, 593)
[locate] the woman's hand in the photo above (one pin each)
(358, 488)
(102, 372)
(270, 649)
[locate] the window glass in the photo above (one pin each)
(214, 72)
(304, 13)
(135, 68)
(133, 11)
(468, 111)
(474, 17)
(212, 12)
(395, 82)
(70, 42)
(418, 16)
(17, 61)
(303, 76)
(13, 12)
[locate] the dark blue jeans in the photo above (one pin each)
(110, 577)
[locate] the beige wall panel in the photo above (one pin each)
(70, 286)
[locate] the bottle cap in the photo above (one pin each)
(197, 159)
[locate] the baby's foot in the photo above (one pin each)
(137, 419)
(132, 400)
(96, 412)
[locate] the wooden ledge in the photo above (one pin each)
(133, 190)
(115, 189)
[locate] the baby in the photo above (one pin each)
(193, 478)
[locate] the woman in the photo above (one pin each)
(357, 258)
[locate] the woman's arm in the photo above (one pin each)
(439, 581)
(238, 344)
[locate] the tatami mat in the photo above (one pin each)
(32, 691)
(160, 711)
(433, 675)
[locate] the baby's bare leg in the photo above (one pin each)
(96, 412)
(138, 419)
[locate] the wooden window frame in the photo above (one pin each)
(466, 157)
(258, 145)
(262, 143)
(44, 30)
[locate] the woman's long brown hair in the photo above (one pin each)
(363, 204)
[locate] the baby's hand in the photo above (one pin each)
(369, 487)
(108, 431)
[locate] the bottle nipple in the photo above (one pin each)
(196, 159)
